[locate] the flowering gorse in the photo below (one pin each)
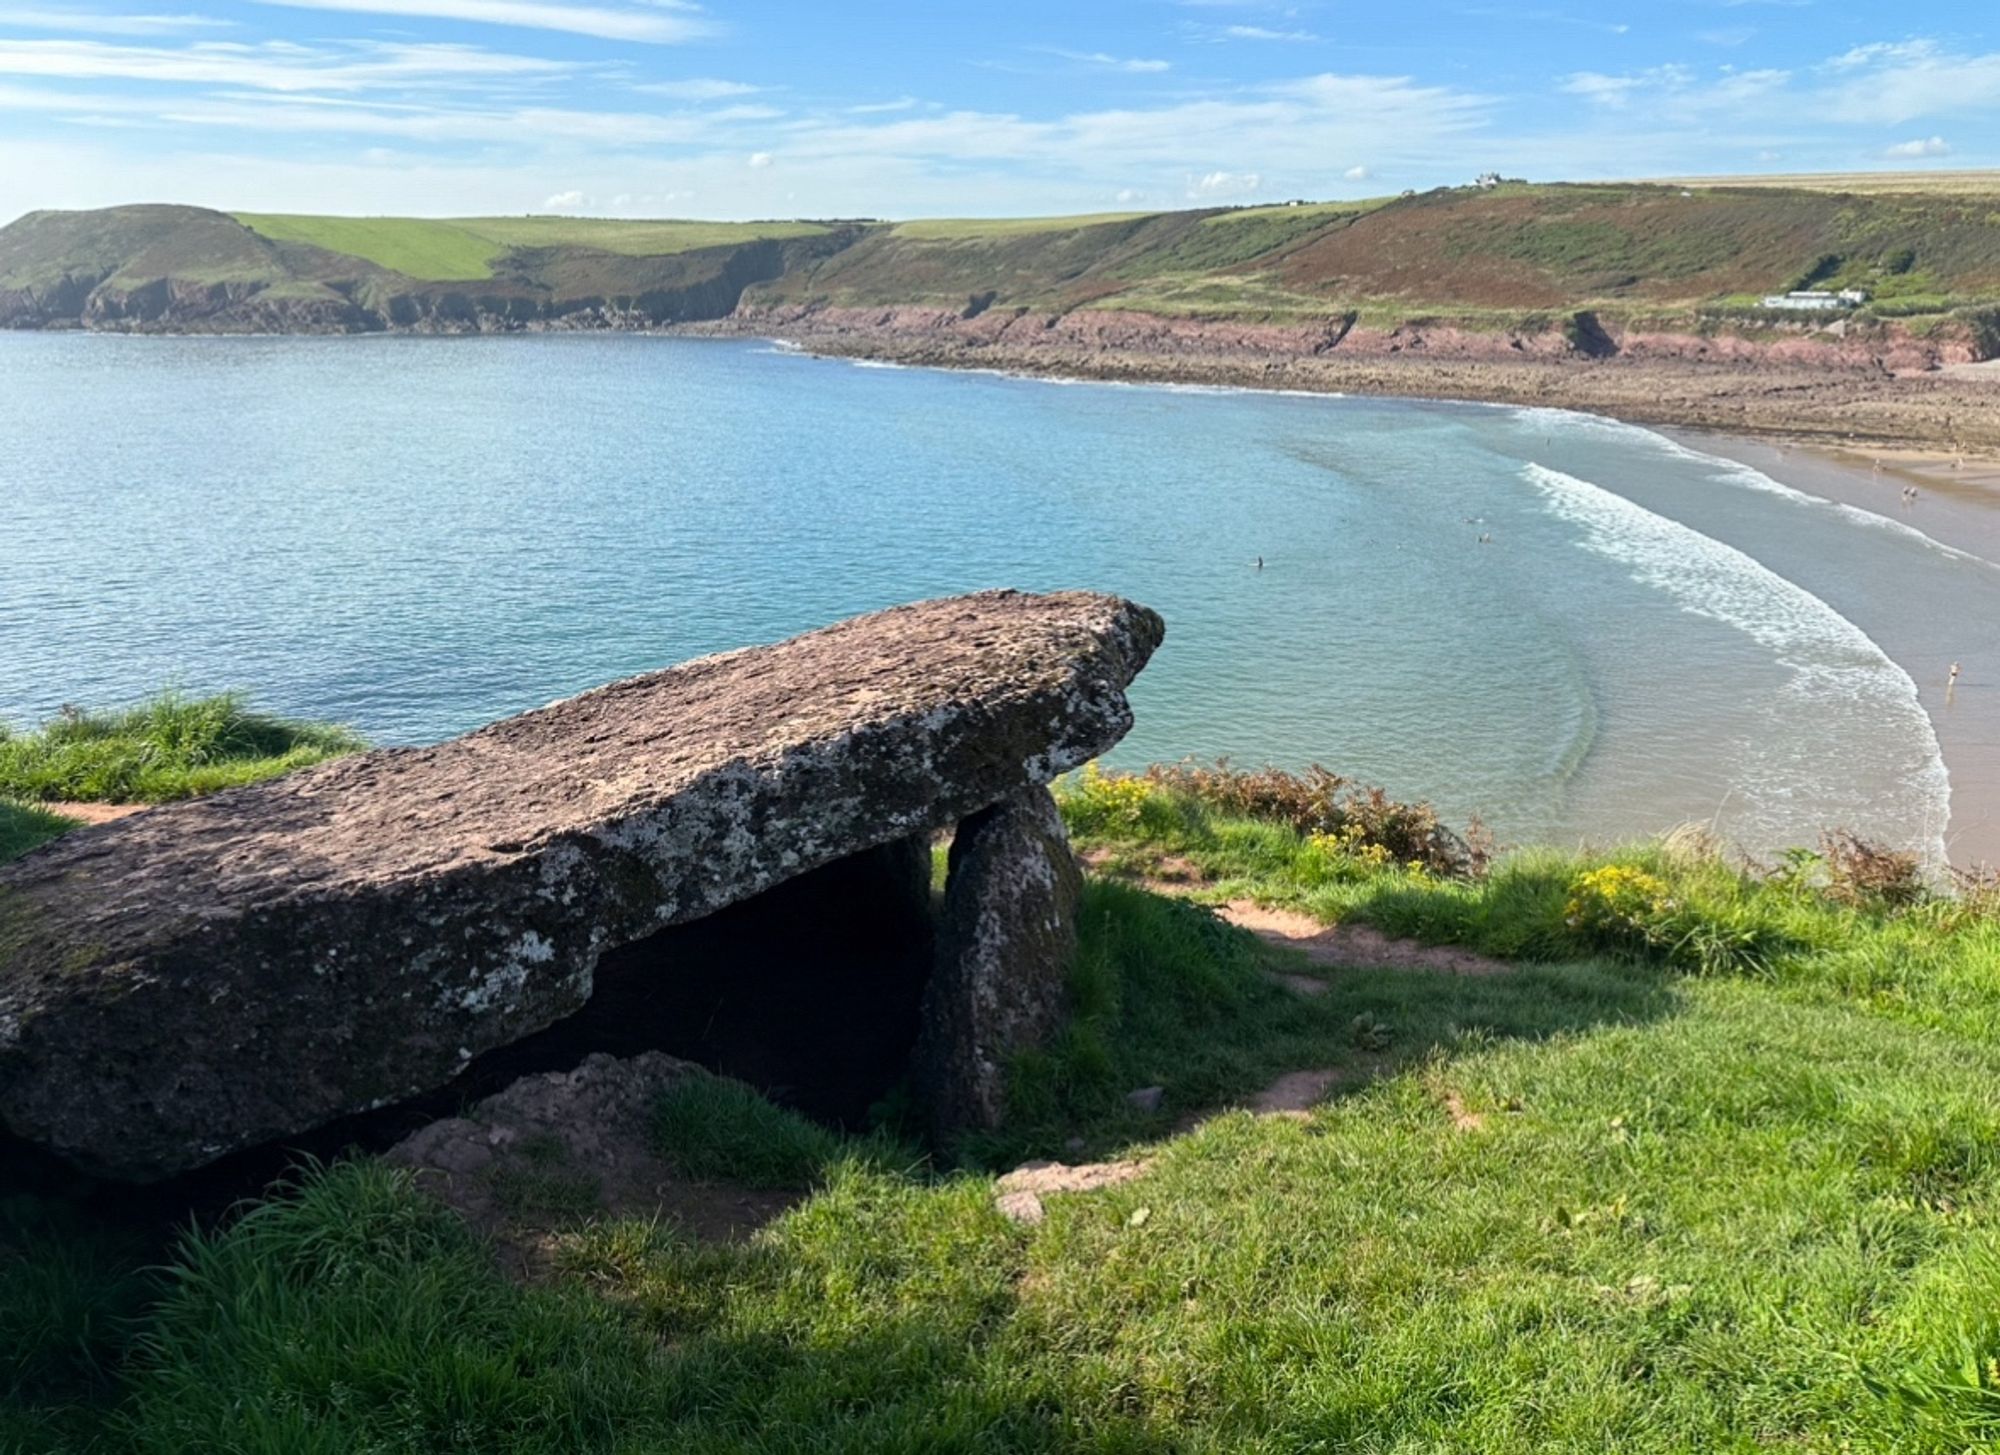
(1617, 905)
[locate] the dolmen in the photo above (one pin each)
(235, 970)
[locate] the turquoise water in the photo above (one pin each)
(1573, 628)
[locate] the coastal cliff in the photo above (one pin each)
(169, 269)
(1650, 302)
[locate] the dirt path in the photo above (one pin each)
(94, 813)
(1349, 946)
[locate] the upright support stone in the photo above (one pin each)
(1006, 941)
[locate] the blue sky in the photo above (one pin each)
(896, 108)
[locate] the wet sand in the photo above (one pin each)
(1957, 504)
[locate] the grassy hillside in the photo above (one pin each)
(462, 249)
(1697, 256)
(413, 246)
(128, 243)
(1512, 251)
(1714, 1164)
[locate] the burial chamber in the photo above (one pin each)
(231, 971)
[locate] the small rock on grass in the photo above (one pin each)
(1024, 1208)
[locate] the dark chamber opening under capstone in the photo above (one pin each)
(810, 991)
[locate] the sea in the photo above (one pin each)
(1576, 630)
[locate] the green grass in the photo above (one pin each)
(1719, 1171)
(962, 229)
(634, 239)
(23, 825)
(417, 247)
(1311, 211)
(713, 1127)
(465, 249)
(167, 747)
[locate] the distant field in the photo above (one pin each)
(634, 239)
(1959, 183)
(417, 247)
(1310, 211)
(443, 250)
(949, 229)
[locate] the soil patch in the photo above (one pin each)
(94, 813)
(565, 1145)
(1352, 947)
(1296, 1093)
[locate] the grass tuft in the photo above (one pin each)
(715, 1127)
(168, 747)
(23, 826)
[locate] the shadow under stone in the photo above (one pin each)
(811, 992)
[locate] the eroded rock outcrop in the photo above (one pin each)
(228, 971)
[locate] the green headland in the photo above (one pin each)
(1923, 248)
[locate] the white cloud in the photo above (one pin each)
(1930, 146)
(672, 24)
(1131, 65)
(1892, 84)
(81, 22)
(1357, 174)
(1260, 32)
(760, 160)
(699, 89)
(272, 66)
(1887, 83)
(566, 200)
(1225, 184)
(1618, 90)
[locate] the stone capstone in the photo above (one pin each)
(1005, 943)
(232, 970)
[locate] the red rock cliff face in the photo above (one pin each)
(1885, 346)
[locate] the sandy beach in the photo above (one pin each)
(1854, 438)
(1957, 504)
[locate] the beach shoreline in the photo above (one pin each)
(1958, 491)
(1931, 416)
(1958, 506)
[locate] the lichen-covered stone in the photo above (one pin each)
(228, 971)
(1005, 944)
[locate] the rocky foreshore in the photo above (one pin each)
(1831, 391)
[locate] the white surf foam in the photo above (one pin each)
(1832, 662)
(1569, 421)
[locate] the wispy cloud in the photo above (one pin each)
(699, 89)
(1929, 146)
(1131, 65)
(81, 22)
(272, 66)
(1885, 84)
(671, 24)
(1216, 185)
(1264, 32)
